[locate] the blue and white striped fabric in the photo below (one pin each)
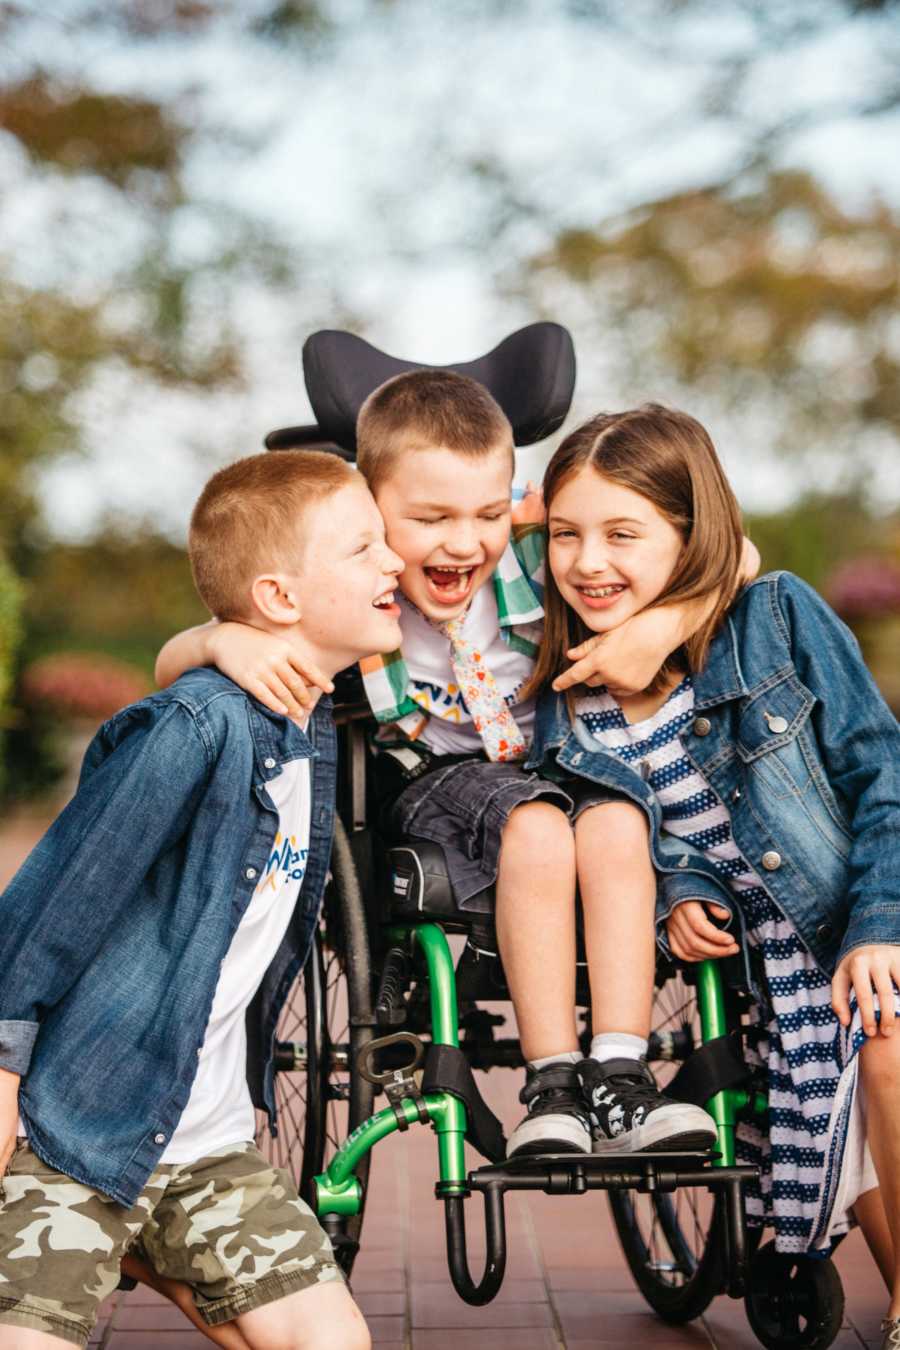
(798, 1045)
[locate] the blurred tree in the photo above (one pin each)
(764, 295)
(10, 634)
(119, 593)
(112, 288)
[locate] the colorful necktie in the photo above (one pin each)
(493, 720)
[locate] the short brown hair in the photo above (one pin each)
(423, 409)
(669, 458)
(247, 521)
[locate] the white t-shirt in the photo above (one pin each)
(426, 652)
(219, 1110)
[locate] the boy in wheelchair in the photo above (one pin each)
(437, 452)
(147, 943)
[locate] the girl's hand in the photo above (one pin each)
(627, 658)
(266, 666)
(9, 1117)
(529, 510)
(693, 938)
(873, 967)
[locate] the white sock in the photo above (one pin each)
(564, 1057)
(617, 1045)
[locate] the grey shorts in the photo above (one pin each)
(464, 807)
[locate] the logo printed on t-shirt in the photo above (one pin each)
(286, 863)
(449, 703)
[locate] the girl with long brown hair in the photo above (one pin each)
(765, 768)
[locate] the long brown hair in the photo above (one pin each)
(669, 458)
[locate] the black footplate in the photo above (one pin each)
(575, 1174)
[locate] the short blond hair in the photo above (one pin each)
(248, 520)
(425, 409)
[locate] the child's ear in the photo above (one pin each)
(275, 598)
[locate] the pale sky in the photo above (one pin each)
(354, 156)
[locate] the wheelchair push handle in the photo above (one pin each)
(495, 1239)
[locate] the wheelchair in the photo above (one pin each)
(382, 1007)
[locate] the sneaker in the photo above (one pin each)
(557, 1121)
(891, 1330)
(629, 1114)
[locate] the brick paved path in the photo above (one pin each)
(566, 1287)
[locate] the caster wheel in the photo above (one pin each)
(793, 1301)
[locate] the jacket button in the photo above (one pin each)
(269, 763)
(159, 1139)
(777, 725)
(702, 726)
(576, 759)
(825, 932)
(683, 860)
(250, 873)
(771, 861)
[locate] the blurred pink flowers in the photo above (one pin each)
(865, 588)
(82, 685)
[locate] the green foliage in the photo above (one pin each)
(766, 292)
(818, 532)
(118, 594)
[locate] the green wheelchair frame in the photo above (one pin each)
(338, 1192)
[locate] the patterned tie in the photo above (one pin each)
(493, 720)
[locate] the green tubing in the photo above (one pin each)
(337, 1190)
(441, 978)
(713, 1023)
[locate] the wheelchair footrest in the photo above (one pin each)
(575, 1173)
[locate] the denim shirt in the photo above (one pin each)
(113, 931)
(794, 738)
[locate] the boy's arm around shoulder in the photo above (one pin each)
(859, 740)
(144, 773)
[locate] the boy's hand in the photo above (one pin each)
(750, 562)
(873, 967)
(627, 658)
(693, 938)
(9, 1117)
(529, 510)
(267, 667)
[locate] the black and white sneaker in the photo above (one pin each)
(629, 1114)
(557, 1120)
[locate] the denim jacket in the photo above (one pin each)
(793, 736)
(113, 931)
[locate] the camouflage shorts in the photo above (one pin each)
(230, 1225)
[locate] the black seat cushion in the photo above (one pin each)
(531, 374)
(418, 886)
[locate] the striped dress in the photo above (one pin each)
(800, 1156)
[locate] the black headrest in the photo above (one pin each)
(304, 438)
(531, 374)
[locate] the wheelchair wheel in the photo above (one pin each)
(674, 1244)
(793, 1301)
(325, 1022)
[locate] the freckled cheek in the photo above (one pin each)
(410, 545)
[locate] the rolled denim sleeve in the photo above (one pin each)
(16, 1043)
(135, 798)
(859, 740)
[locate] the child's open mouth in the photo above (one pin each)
(601, 597)
(386, 604)
(449, 585)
